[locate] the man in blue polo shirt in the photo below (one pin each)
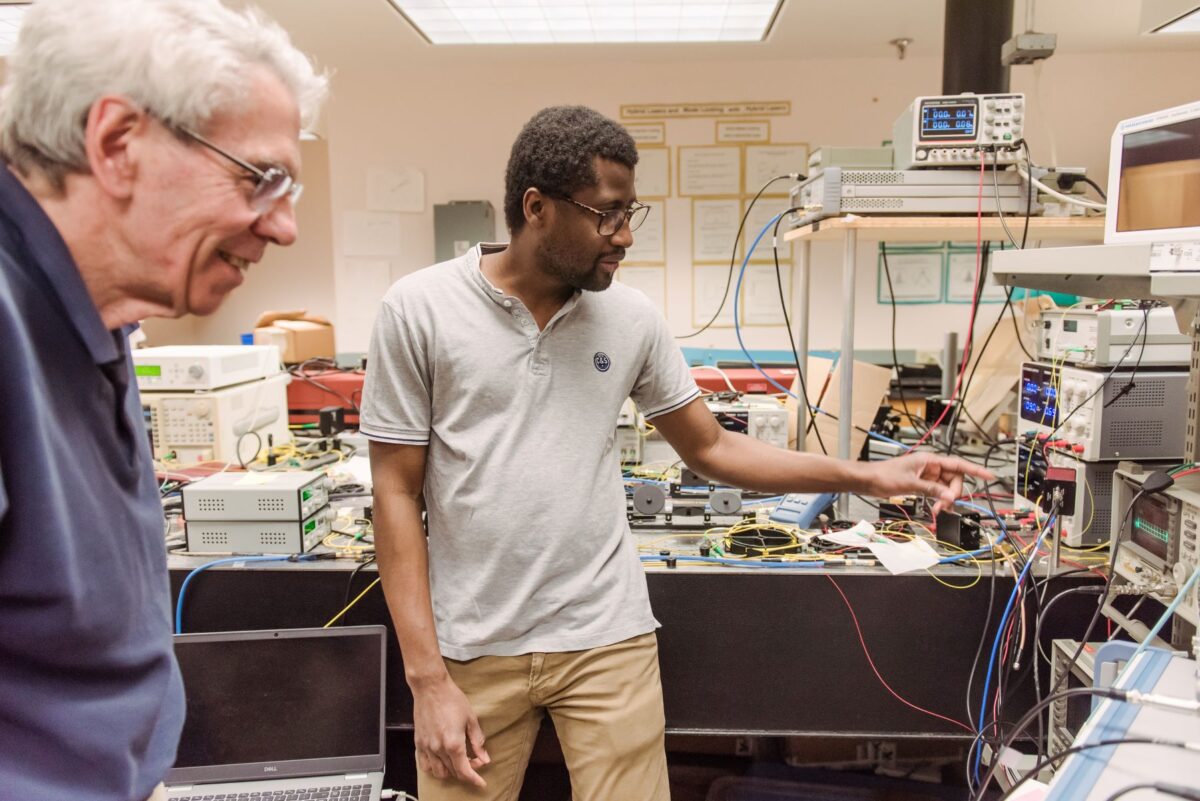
(147, 156)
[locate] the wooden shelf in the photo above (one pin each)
(955, 229)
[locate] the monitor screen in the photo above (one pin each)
(943, 120)
(1160, 178)
(1151, 525)
(1039, 395)
(277, 699)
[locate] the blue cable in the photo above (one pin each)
(737, 329)
(188, 579)
(983, 702)
(737, 562)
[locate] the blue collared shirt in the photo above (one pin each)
(91, 702)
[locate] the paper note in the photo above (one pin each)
(764, 162)
(916, 277)
(714, 229)
(960, 280)
(370, 233)
(710, 171)
(904, 557)
(747, 131)
(652, 176)
(760, 214)
(395, 189)
(649, 245)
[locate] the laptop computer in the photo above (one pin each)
(287, 714)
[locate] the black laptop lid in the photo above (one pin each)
(274, 704)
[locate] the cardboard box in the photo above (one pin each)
(298, 335)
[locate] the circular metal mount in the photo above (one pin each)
(649, 500)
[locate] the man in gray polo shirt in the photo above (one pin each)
(495, 384)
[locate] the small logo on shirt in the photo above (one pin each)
(602, 361)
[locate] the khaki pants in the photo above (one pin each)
(159, 794)
(606, 704)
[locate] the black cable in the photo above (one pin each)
(975, 302)
(238, 447)
(1124, 390)
(1107, 377)
(733, 257)
(1034, 712)
(350, 586)
(1112, 566)
(1076, 749)
(887, 272)
(1094, 185)
(800, 369)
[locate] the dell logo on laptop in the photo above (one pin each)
(270, 769)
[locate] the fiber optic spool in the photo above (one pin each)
(725, 502)
(650, 500)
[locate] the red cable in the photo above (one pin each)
(962, 370)
(871, 662)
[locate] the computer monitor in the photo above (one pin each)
(1154, 178)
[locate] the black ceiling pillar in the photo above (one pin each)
(975, 30)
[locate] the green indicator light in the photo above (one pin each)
(305, 494)
(309, 526)
(147, 370)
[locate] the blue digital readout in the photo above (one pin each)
(1039, 396)
(940, 120)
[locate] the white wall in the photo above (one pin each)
(398, 102)
(457, 123)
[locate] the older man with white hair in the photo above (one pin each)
(150, 152)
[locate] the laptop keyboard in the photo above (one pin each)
(346, 792)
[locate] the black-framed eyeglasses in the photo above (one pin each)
(612, 220)
(272, 184)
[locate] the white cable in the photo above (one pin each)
(724, 375)
(1087, 204)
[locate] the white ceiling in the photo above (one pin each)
(803, 29)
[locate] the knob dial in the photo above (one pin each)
(196, 371)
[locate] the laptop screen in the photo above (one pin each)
(281, 703)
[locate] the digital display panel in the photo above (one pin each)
(956, 120)
(1151, 526)
(147, 370)
(1160, 178)
(1039, 396)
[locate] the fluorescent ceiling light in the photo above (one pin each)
(1170, 16)
(1186, 24)
(10, 23)
(595, 21)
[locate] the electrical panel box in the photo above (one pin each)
(949, 130)
(189, 427)
(1160, 539)
(256, 496)
(203, 367)
(1107, 337)
(461, 224)
(832, 191)
(1132, 414)
(259, 536)
(764, 419)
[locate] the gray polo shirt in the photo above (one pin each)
(529, 548)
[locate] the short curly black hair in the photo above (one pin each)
(555, 152)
